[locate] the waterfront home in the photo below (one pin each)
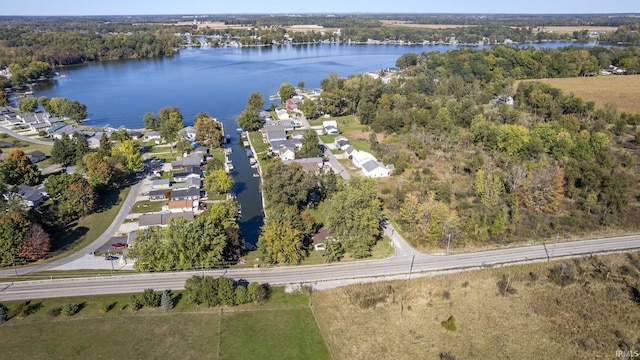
(36, 156)
(36, 127)
(286, 154)
(188, 133)
(179, 206)
(162, 219)
(189, 171)
(186, 194)
(190, 182)
(62, 129)
(6, 110)
(265, 115)
(292, 144)
(202, 151)
(152, 135)
(274, 133)
(94, 138)
(184, 162)
(282, 114)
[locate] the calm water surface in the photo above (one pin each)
(217, 81)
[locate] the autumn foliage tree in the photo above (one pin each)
(208, 130)
(543, 189)
(35, 243)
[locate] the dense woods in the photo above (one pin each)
(473, 168)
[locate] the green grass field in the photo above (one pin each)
(146, 206)
(283, 328)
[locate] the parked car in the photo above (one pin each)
(111, 257)
(119, 245)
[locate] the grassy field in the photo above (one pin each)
(623, 91)
(255, 137)
(88, 228)
(591, 316)
(146, 206)
(571, 29)
(105, 328)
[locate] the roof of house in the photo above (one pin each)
(152, 133)
(362, 156)
(190, 182)
(156, 192)
(350, 150)
(193, 160)
(190, 192)
(58, 126)
(160, 182)
(312, 160)
(30, 194)
(163, 218)
(279, 144)
(36, 153)
(179, 204)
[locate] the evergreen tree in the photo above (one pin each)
(166, 301)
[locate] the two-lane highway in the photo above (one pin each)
(317, 274)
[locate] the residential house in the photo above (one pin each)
(158, 184)
(299, 135)
(178, 206)
(330, 127)
(152, 135)
(186, 194)
(282, 114)
(265, 115)
(286, 154)
(294, 103)
(6, 110)
(134, 134)
(274, 133)
(288, 143)
(375, 169)
(350, 150)
(311, 165)
(64, 129)
(190, 182)
(184, 162)
(157, 194)
(36, 156)
(189, 171)
(202, 151)
(360, 157)
(162, 219)
(30, 197)
(188, 133)
(36, 127)
(341, 142)
(94, 138)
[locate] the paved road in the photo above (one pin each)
(316, 275)
(335, 164)
(101, 240)
(25, 138)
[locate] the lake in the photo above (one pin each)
(217, 81)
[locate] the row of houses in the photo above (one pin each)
(363, 160)
(184, 192)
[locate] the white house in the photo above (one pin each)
(282, 114)
(374, 169)
(360, 157)
(330, 127)
(341, 142)
(286, 154)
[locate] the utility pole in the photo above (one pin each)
(411, 267)
(448, 243)
(545, 250)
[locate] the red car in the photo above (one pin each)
(119, 245)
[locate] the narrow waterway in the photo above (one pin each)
(217, 81)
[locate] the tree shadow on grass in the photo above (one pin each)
(69, 235)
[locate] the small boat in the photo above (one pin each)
(256, 175)
(239, 130)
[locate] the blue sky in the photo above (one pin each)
(144, 7)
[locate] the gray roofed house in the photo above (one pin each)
(297, 135)
(162, 219)
(36, 127)
(193, 160)
(6, 110)
(373, 168)
(189, 171)
(185, 194)
(157, 194)
(274, 133)
(350, 150)
(160, 184)
(279, 144)
(151, 135)
(30, 197)
(190, 182)
(188, 133)
(36, 156)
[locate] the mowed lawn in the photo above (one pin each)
(622, 90)
(282, 328)
(139, 336)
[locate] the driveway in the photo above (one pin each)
(25, 138)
